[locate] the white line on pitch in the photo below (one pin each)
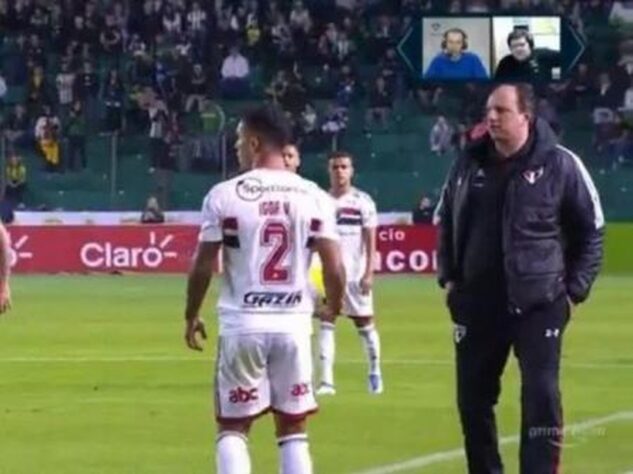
(456, 454)
(166, 358)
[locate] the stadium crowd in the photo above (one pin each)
(165, 68)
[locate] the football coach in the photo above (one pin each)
(521, 237)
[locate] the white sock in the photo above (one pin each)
(295, 454)
(231, 454)
(326, 352)
(371, 342)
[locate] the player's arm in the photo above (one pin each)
(198, 283)
(369, 241)
(370, 222)
(333, 273)
(5, 290)
(205, 258)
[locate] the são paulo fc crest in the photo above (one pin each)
(532, 176)
(459, 332)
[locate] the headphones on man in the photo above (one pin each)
(456, 30)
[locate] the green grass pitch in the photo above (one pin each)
(95, 378)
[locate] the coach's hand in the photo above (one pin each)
(366, 283)
(194, 326)
(5, 299)
(448, 287)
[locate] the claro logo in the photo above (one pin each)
(110, 255)
(18, 252)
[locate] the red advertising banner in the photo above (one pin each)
(169, 248)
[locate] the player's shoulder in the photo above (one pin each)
(361, 195)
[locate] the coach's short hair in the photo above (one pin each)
(270, 124)
(335, 155)
(526, 97)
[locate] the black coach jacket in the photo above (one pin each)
(553, 223)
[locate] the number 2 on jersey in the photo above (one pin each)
(276, 236)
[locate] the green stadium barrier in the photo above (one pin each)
(619, 248)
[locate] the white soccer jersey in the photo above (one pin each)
(265, 220)
(355, 210)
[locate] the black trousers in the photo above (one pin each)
(485, 332)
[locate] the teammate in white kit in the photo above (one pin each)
(356, 223)
(266, 221)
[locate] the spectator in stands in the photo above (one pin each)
(173, 95)
(477, 6)
(152, 214)
(309, 120)
(391, 69)
(113, 96)
(278, 86)
(3, 90)
(607, 100)
(196, 89)
(65, 82)
(300, 24)
(35, 51)
(423, 213)
(15, 179)
(335, 121)
(111, 39)
(37, 90)
(623, 72)
(282, 38)
(607, 96)
(327, 45)
(197, 26)
(235, 75)
(547, 112)
(440, 136)
(158, 117)
(17, 127)
(428, 97)
(383, 34)
(76, 129)
(87, 91)
(6, 211)
(380, 103)
(582, 86)
(172, 21)
(627, 105)
(47, 137)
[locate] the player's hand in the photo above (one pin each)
(571, 304)
(327, 314)
(193, 327)
(5, 299)
(366, 283)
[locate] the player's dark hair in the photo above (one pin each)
(335, 155)
(519, 33)
(270, 124)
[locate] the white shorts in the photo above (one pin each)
(355, 304)
(259, 372)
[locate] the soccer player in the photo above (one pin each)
(356, 223)
(266, 221)
(5, 289)
(292, 159)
